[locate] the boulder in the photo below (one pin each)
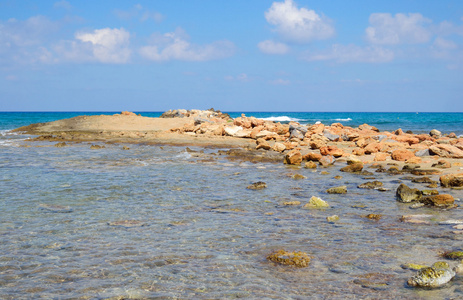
(310, 165)
(442, 164)
(373, 147)
(442, 200)
(356, 167)
(402, 155)
(257, 186)
(435, 133)
(423, 152)
(330, 136)
(337, 190)
(293, 157)
(232, 130)
(245, 133)
(266, 134)
(406, 194)
(381, 156)
(432, 277)
(326, 160)
(316, 202)
(279, 147)
(312, 157)
(370, 185)
(331, 150)
(451, 180)
(448, 151)
(297, 259)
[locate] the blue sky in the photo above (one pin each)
(240, 55)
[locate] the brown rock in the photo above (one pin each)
(279, 147)
(255, 131)
(358, 151)
(312, 157)
(442, 164)
(293, 157)
(298, 259)
(451, 180)
(331, 150)
(326, 160)
(414, 160)
(402, 155)
(128, 113)
(448, 151)
(381, 156)
(372, 147)
(442, 200)
(262, 144)
(356, 167)
(310, 165)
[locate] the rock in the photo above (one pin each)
(424, 179)
(257, 186)
(402, 155)
(416, 219)
(266, 134)
(262, 144)
(375, 217)
(331, 150)
(325, 161)
(292, 203)
(371, 185)
(96, 147)
(454, 255)
(298, 259)
(245, 133)
(333, 218)
(429, 192)
(424, 152)
(55, 208)
(422, 172)
(279, 147)
(337, 190)
(372, 147)
(442, 164)
(125, 148)
(312, 157)
(356, 167)
(448, 151)
(358, 151)
(298, 176)
(127, 223)
(128, 113)
(310, 165)
(412, 266)
(316, 202)
(451, 180)
(232, 130)
(60, 145)
(293, 157)
(353, 160)
(330, 136)
(406, 194)
(381, 156)
(443, 200)
(439, 274)
(435, 133)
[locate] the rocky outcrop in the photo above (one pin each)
(448, 151)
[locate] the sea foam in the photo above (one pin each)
(281, 119)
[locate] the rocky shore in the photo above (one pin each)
(432, 160)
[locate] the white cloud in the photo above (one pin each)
(243, 77)
(280, 82)
(399, 29)
(271, 47)
(139, 12)
(298, 25)
(107, 45)
(352, 53)
(63, 4)
(444, 44)
(174, 46)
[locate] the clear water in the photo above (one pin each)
(197, 232)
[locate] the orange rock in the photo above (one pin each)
(293, 157)
(402, 155)
(414, 160)
(381, 156)
(331, 150)
(372, 148)
(358, 151)
(255, 131)
(312, 157)
(444, 150)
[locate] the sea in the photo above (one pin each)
(166, 222)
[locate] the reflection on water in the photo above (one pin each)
(157, 222)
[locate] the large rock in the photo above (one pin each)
(293, 157)
(402, 154)
(439, 274)
(451, 180)
(232, 130)
(406, 194)
(435, 133)
(326, 160)
(316, 202)
(331, 150)
(279, 147)
(298, 259)
(448, 151)
(337, 190)
(442, 200)
(312, 156)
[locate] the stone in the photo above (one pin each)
(447, 151)
(330, 136)
(372, 148)
(432, 277)
(435, 133)
(356, 167)
(381, 156)
(442, 164)
(262, 144)
(327, 160)
(424, 152)
(375, 217)
(451, 180)
(127, 223)
(358, 151)
(402, 155)
(316, 202)
(312, 156)
(442, 200)
(60, 145)
(412, 266)
(370, 185)
(298, 176)
(406, 194)
(416, 219)
(353, 160)
(310, 165)
(266, 134)
(297, 259)
(333, 218)
(293, 157)
(453, 255)
(245, 133)
(422, 172)
(279, 147)
(331, 150)
(257, 186)
(232, 130)
(292, 203)
(55, 208)
(96, 147)
(337, 190)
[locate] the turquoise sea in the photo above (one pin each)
(161, 222)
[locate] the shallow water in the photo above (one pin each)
(195, 231)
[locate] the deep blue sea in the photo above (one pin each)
(160, 222)
(416, 122)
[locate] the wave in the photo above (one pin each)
(343, 120)
(282, 119)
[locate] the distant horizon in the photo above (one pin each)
(238, 111)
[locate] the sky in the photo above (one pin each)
(240, 55)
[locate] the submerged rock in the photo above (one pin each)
(257, 186)
(337, 190)
(127, 223)
(352, 168)
(443, 200)
(96, 147)
(297, 259)
(454, 255)
(333, 218)
(406, 194)
(412, 266)
(55, 208)
(375, 217)
(439, 274)
(370, 185)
